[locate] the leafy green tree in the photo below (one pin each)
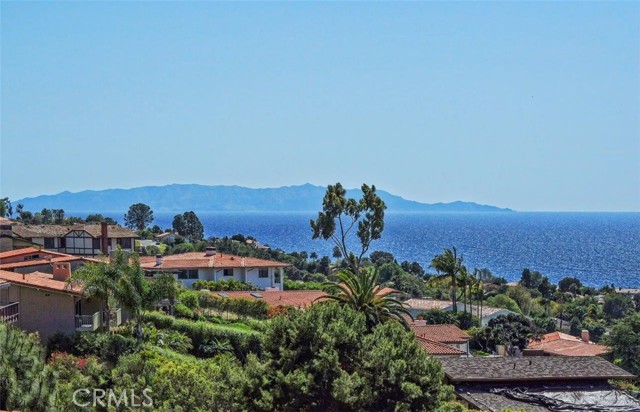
(98, 218)
(6, 210)
(569, 284)
(340, 215)
(617, 306)
(413, 268)
(408, 283)
(25, 381)
(450, 264)
(362, 294)
(323, 359)
(437, 317)
(189, 226)
(138, 217)
(512, 331)
(530, 279)
(379, 258)
(624, 340)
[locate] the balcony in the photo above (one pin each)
(9, 312)
(93, 322)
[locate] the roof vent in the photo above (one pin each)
(209, 251)
(256, 295)
(158, 260)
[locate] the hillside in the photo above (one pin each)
(201, 198)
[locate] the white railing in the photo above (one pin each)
(88, 323)
(9, 312)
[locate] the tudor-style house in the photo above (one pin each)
(209, 265)
(81, 240)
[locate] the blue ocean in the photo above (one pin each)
(597, 248)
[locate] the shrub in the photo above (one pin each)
(201, 333)
(240, 306)
(222, 285)
(183, 311)
(189, 298)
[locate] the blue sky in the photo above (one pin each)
(533, 106)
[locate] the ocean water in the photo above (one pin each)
(597, 248)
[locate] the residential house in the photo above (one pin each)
(449, 335)
(47, 303)
(485, 313)
(31, 259)
(82, 240)
(209, 265)
(561, 344)
(538, 384)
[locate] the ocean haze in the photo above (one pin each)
(201, 198)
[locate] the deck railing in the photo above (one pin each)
(9, 312)
(88, 323)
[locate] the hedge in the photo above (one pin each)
(244, 307)
(201, 332)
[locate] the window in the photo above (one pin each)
(124, 242)
(228, 272)
(48, 243)
(63, 242)
(263, 273)
(95, 243)
(276, 278)
(188, 274)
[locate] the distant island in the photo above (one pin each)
(202, 198)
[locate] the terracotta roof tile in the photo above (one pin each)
(438, 349)
(194, 260)
(41, 281)
(297, 298)
(441, 333)
(558, 343)
(426, 304)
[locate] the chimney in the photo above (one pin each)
(105, 238)
(158, 260)
(585, 336)
(419, 322)
(61, 271)
(209, 251)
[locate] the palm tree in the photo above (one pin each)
(98, 281)
(449, 264)
(363, 294)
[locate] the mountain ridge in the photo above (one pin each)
(178, 197)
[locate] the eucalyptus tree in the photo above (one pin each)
(341, 215)
(450, 264)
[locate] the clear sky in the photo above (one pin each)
(532, 106)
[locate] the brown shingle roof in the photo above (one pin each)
(534, 368)
(441, 333)
(558, 343)
(297, 298)
(31, 231)
(436, 348)
(40, 281)
(194, 260)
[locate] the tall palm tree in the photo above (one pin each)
(363, 293)
(98, 281)
(449, 264)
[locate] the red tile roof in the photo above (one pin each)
(561, 344)
(40, 281)
(441, 333)
(297, 298)
(27, 251)
(438, 349)
(39, 262)
(194, 260)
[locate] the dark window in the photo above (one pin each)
(109, 242)
(126, 243)
(263, 273)
(228, 272)
(276, 278)
(95, 243)
(48, 243)
(63, 242)
(188, 274)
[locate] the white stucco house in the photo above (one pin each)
(210, 265)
